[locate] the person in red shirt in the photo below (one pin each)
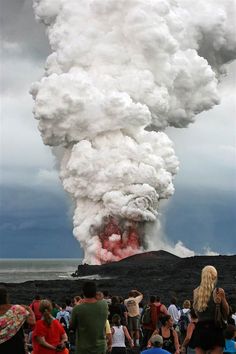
(35, 307)
(149, 328)
(161, 310)
(49, 337)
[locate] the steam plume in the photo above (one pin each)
(120, 72)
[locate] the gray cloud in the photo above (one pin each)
(201, 218)
(19, 27)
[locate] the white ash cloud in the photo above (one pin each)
(120, 72)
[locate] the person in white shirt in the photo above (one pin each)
(184, 319)
(69, 308)
(132, 305)
(173, 311)
(63, 317)
(119, 333)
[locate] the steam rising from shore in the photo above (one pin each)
(120, 72)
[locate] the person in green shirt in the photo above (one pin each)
(55, 309)
(88, 320)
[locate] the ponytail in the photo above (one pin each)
(116, 320)
(45, 308)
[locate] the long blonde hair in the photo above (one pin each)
(203, 293)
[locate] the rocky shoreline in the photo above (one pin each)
(157, 272)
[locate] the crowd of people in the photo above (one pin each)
(97, 323)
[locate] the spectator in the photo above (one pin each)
(207, 335)
(63, 317)
(169, 335)
(108, 336)
(99, 295)
(157, 342)
(189, 342)
(119, 333)
(107, 297)
(161, 310)
(150, 326)
(173, 311)
(116, 308)
(35, 307)
(55, 309)
(48, 335)
(68, 306)
(132, 305)
(184, 319)
(77, 300)
(230, 336)
(88, 320)
(12, 319)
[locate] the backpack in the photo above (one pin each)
(63, 322)
(183, 321)
(146, 315)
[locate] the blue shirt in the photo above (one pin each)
(230, 346)
(155, 351)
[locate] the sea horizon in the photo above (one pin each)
(18, 270)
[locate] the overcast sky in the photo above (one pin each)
(36, 214)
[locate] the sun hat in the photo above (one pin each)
(156, 339)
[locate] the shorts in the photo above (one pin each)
(134, 323)
(207, 336)
(118, 350)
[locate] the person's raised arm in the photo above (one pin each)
(138, 297)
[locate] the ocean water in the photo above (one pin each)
(21, 270)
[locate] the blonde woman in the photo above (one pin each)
(207, 335)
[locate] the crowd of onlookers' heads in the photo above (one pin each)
(138, 332)
(106, 323)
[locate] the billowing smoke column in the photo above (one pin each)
(120, 72)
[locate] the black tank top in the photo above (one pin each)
(168, 342)
(209, 313)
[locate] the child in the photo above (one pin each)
(119, 333)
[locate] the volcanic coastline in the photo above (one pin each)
(157, 272)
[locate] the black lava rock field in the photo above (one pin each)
(152, 273)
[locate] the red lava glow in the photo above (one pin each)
(119, 243)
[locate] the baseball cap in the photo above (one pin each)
(156, 339)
